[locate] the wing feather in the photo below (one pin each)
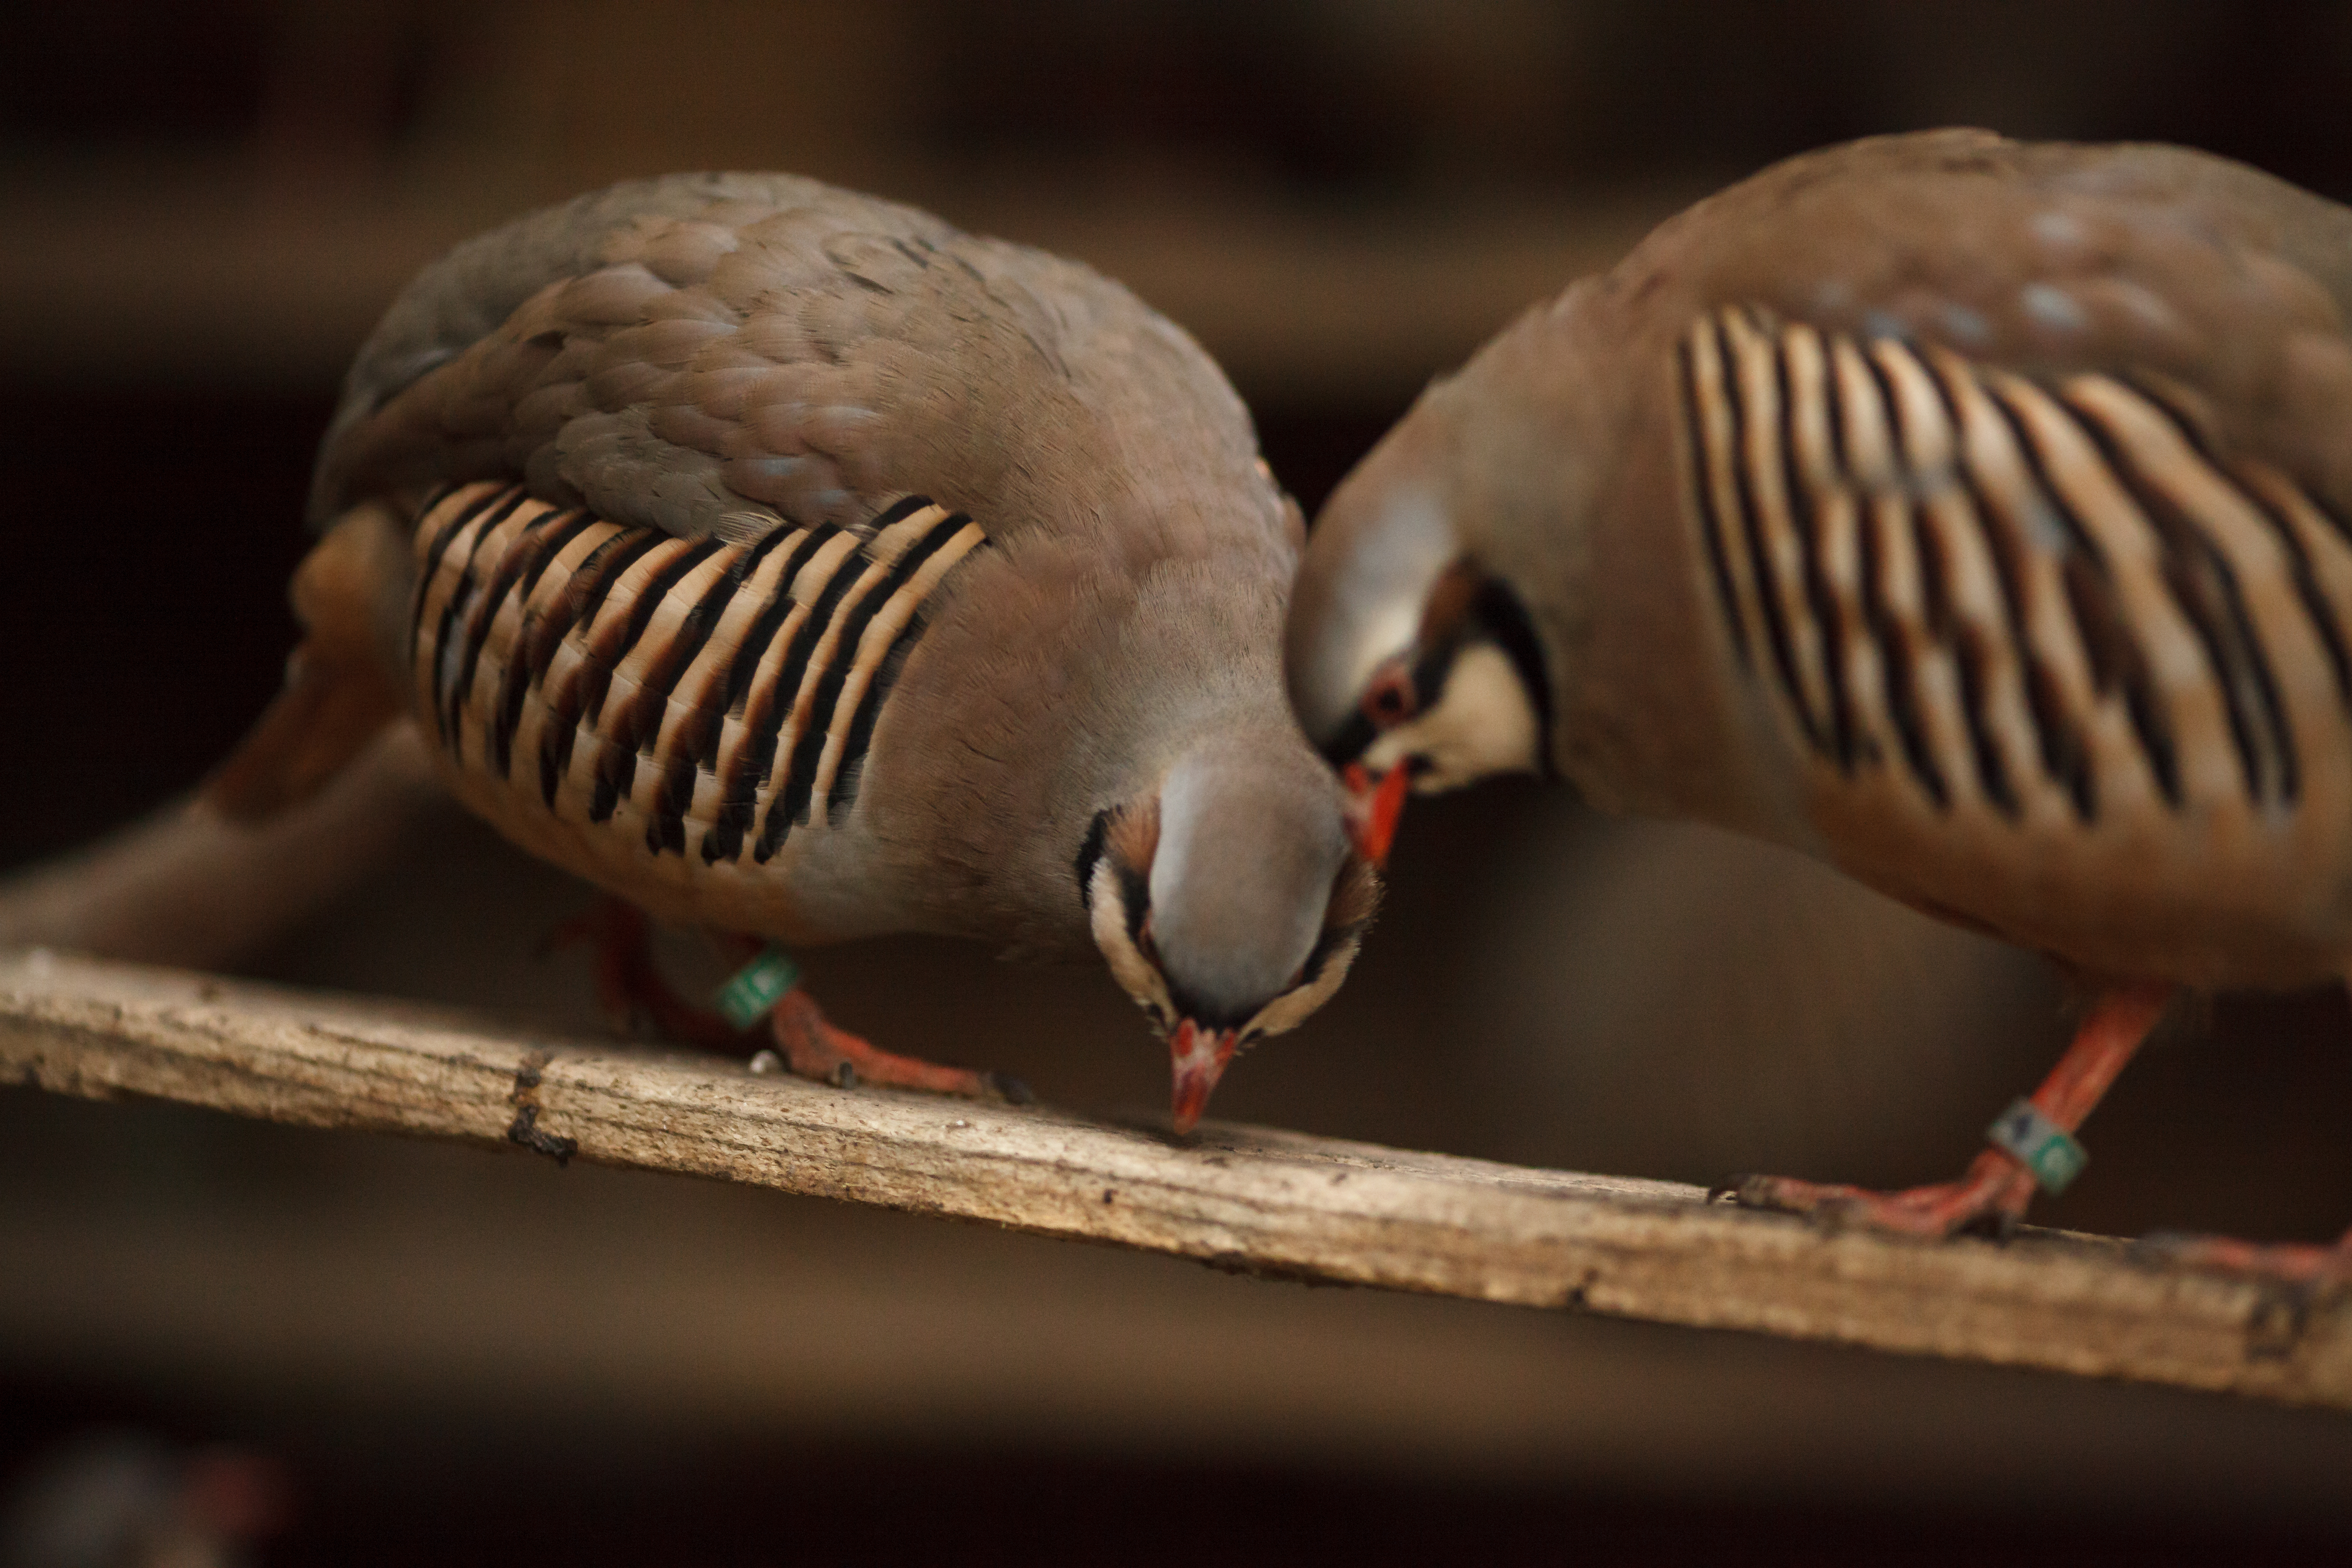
(2050, 599)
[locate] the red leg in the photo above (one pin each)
(814, 1048)
(1997, 1186)
(630, 987)
(2289, 1262)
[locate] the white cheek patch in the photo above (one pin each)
(1292, 1008)
(1482, 723)
(1137, 975)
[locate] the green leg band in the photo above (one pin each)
(758, 986)
(2043, 1147)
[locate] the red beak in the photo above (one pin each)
(1374, 805)
(1198, 1057)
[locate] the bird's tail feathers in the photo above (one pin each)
(188, 887)
(339, 690)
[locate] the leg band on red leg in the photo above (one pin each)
(2033, 1141)
(758, 986)
(2039, 1144)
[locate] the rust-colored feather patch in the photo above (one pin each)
(1133, 835)
(339, 691)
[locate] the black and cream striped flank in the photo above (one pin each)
(2035, 595)
(711, 697)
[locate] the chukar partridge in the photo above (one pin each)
(790, 563)
(1974, 515)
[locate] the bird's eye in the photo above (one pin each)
(1389, 699)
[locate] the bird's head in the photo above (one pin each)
(1227, 901)
(1409, 662)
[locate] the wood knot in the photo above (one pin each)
(525, 1129)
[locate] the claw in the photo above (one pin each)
(2290, 1263)
(816, 1049)
(629, 983)
(1994, 1192)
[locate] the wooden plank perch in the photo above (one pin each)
(1243, 1199)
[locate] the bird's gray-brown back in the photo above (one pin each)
(712, 353)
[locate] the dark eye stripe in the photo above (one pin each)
(1135, 892)
(1090, 851)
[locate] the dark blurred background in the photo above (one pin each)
(436, 1355)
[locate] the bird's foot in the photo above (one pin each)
(2285, 1263)
(813, 1047)
(2034, 1140)
(630, 987)
(1993, 1194)
(629, 983)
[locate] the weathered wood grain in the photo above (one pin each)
(1236, 1197)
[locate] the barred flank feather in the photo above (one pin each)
(689, 691)
(2013, 591)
